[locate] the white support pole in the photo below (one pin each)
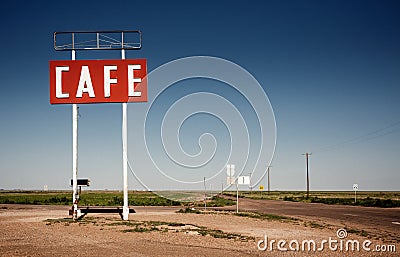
(75, 195)
(125, 215)
(125, 209)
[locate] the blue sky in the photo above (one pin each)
(331, 70)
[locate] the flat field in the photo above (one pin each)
(385, 199)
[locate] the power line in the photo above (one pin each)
(365, 137)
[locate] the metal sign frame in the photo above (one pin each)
(100, 40)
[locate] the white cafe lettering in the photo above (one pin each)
(85, 84)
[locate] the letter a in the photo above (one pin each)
(85, 80)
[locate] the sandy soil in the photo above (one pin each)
(44, 231)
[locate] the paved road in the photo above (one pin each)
(376, 221)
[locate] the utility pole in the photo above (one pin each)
(237, 196)
(205, 194)
(269, 179)
(308, 179)
(251, 186)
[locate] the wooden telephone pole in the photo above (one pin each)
(308, 178)
(269, 179)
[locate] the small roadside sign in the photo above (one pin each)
(244, 180)
(230, 180)
(230, 170)
(355, 187)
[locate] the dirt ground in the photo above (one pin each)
(27, 230)
(380, 223)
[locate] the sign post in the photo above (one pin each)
(125, 208)
(230, 180)
(241, 180)
(355, 188)
(261, 189)
(230, 172)
(98, 81)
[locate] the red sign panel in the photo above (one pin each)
(98, 81)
